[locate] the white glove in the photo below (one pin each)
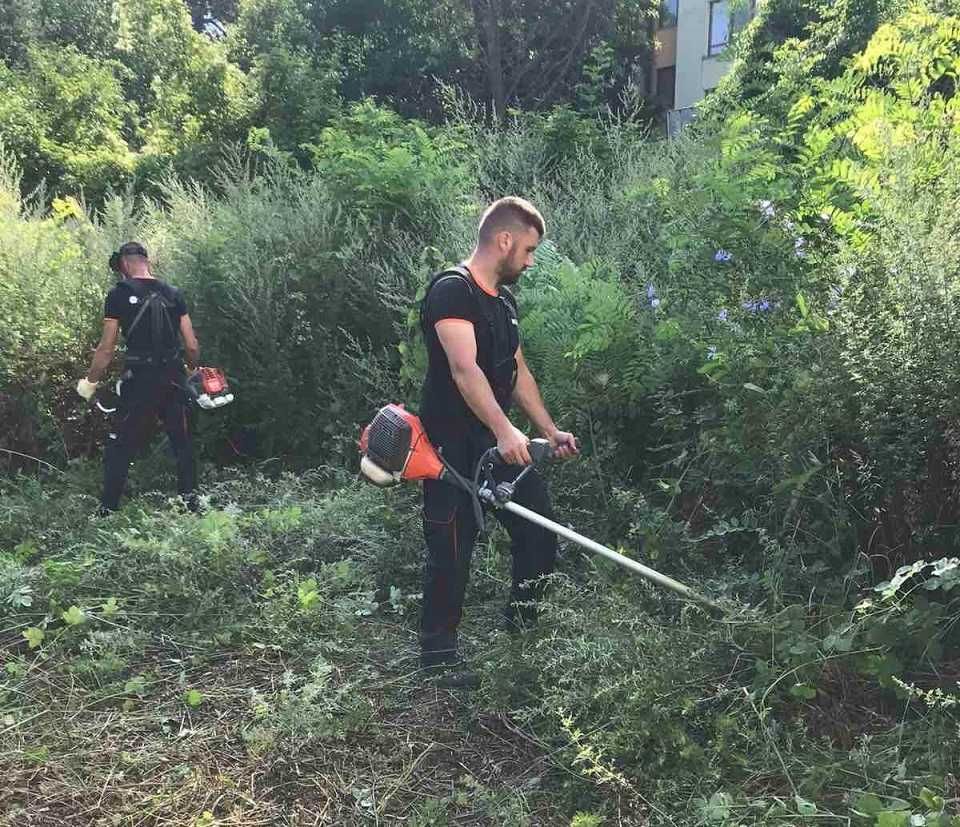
(86, 388)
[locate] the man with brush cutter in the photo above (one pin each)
(475, 372)
(465, 450)
(153, 318)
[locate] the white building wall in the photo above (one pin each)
(697, 73)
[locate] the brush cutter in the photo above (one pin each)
(207, 387)
(107, 398)
(394, 448)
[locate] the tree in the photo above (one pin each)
(62, 115)
(18, 19)
(791, 45)
(534, 51)
(85, 24)
(395, 49)
(223, 10)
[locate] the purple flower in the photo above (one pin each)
(834, 301)
(722, 256)
(757, 306)
(722, 315)
(652, 296)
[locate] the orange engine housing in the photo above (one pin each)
(396, 442)
(213, 381)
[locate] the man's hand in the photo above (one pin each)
(512, 445)
(86, 388)
(564, 444)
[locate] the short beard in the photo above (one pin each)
(507, 276)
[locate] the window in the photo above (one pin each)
(668, 13)
(666, 86)
(719, 27)
(724, 23)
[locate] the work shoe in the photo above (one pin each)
(439, 658)
(453, 674)
(191, 502)
(437, 648)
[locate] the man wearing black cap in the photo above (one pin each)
(153, 318)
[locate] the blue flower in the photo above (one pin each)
(722, 315)
(722, 256)
(758, 306)
(834, 301)
(651, 291)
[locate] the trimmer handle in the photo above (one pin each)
(538, 448)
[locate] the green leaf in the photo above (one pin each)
(898, 818)
(755, 388)
(73, 616)
(667, 330)
(137, 685)
(110, 608)
(931, 800)
(804, 807)
(803, 692)
(307, 593)
(34, 636)
(193, 698)
(798, 481)
(718, 807)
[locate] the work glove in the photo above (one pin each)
(86, 388)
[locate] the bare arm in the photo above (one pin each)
(190, 343)
(103, 355)
(460, 345)
(527, 395)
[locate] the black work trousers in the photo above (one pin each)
(148, 395)
(450, 529)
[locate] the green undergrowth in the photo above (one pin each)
(257, 665)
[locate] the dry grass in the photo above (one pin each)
(80, 755)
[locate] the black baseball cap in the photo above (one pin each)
(131, 248)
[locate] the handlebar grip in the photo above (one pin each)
(539, 450)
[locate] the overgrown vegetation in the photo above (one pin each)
(750, 327)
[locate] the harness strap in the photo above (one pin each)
(148, 298)
(463, 273)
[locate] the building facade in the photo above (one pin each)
(691, 54)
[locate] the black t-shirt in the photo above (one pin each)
(497, 333)
(124, 304)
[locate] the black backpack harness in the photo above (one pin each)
(164, 338)
(500, 364)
